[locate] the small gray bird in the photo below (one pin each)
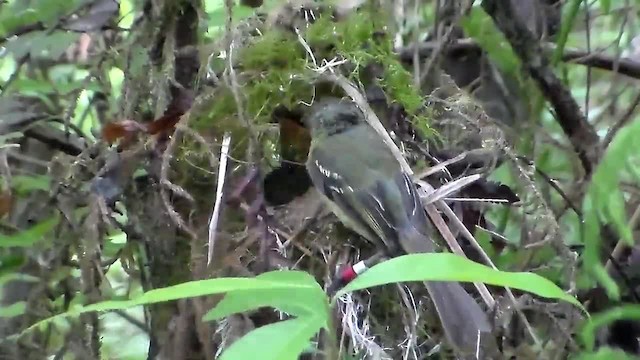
(364, 185)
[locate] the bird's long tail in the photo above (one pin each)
(462, 319)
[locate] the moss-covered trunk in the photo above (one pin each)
(167, 27)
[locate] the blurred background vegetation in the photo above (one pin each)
(113, 115)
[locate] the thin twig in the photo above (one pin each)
(620, 123)
(467, 234)
(215, 215)
(450, 239)
(622, 245)
(450, 188)
(597, 59)
(165, 184)
(443, 165)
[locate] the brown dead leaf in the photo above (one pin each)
(122, 129)
(6, 203)
(127, 129)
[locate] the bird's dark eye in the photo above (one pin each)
(352, 118)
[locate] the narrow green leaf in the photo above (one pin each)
(605, 5)
(24, 184)
(17, 277)
(591, 254)
(606, 354)
(180, 291)
(305, 301)
(630, 312)
(479, 26)
(30, 236)
(284, 340)
(604, 203)
(451, 267)
(567, 24)
(13, 310)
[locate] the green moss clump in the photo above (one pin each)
(270, 72)
(273, 68)
(358, 40)
(274, 50)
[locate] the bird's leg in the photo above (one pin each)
(350, 272)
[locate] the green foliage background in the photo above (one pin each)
(280, 60)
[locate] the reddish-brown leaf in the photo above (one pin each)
(6, 202)
(294, 140)
(164, 123)
(122, 129)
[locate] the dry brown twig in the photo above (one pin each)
(439, 48)
(167, 184)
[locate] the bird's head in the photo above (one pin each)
(332, 115)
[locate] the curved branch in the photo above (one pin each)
(627, 67)
(581, 134)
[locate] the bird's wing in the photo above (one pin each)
(365, 188)
(412, 204)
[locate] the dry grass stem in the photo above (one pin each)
(215, 214)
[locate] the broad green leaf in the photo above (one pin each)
(11, 263)
(30, 236)
(41, 44)
(23, 184)
(180, 291)
(297, 301)
(451, 267)
(50, 11)
(283, 340)
(16, 19)
(127, 13)
(630, 312)
(52, 46)
(17, 277)
(21, 13)
(34, 86)
(605, 5)
(218, 17)
(13, 310)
